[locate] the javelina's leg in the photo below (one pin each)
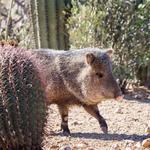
(93, 110)
(64, 119)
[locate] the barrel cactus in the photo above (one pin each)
(22, 100)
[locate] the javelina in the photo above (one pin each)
(81, 77)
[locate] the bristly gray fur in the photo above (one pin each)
(78, 77)
(66, 70)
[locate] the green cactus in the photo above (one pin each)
(49, 23)
(60, 6)
(39, 23)
(22, 101)
(50, 10)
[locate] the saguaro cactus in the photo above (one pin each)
(49, 23)
(22, 101)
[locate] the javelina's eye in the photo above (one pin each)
(100, 75)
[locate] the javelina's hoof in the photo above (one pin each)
(104, 129)
(66, 132)
(104, 126)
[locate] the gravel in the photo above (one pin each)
(127, 121)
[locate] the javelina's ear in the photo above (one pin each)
(90, 58)
(109, 52)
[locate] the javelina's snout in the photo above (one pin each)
(115, 89)
(117, 92)
(119, 98)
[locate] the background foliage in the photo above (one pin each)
(14, 19)
(121, 24)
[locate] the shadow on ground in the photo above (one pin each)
(118, 137)
(140, 94)
(141, 100)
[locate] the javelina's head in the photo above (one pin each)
(98, 82)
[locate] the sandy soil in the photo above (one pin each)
(127, 121)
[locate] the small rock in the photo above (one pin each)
(135, 119)
(54, 147)
(128, 148)
(139, 111)
(80, 145)
(146, 143)
(128, 141)
(75, 123)
(90, 149)
(119, 111)
(138, 96)
(138, 145)
(115, 147)
(65, 147)
(148, 130)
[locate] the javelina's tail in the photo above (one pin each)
(22, 100)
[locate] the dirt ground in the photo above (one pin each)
(127, 121)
